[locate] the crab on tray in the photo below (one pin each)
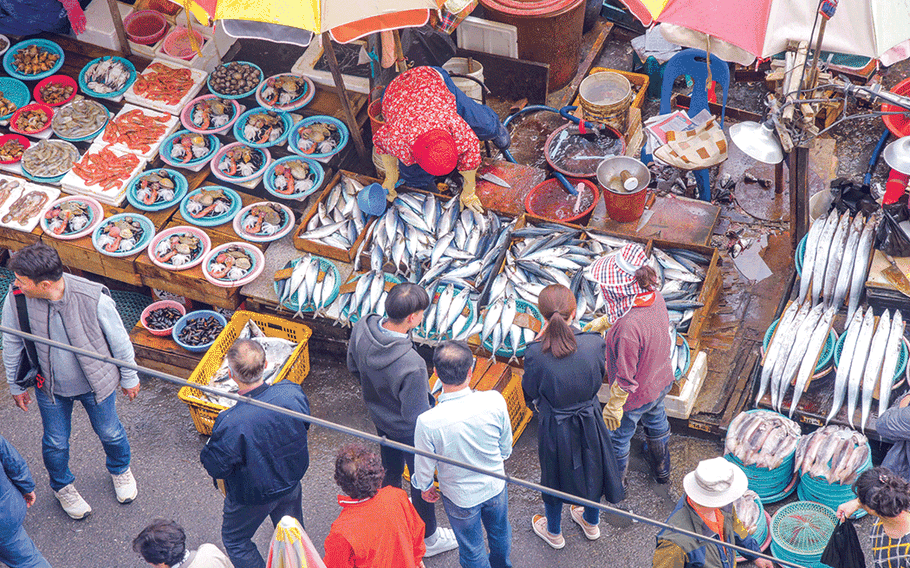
(179, 248)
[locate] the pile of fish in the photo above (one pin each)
(309, 286)
(836, 262)
(106, 76)
(834, 453)
(277, 353)
(367, 298)
(749, 510)
(432, 243)
(450, 315)
(762, 438)
(501, 333)
(338, 219)
(794, 351)
(868, 360)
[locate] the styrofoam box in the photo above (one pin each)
(99, 27)
(114, 196)
(209, 59)
(477, 34)
(681, 406)
(171, 125)
(198, 79)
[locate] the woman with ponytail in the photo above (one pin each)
(563, 370)
(638, 355)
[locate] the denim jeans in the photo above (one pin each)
(18, 551)
(57, 417)
(241, 521)
(394, 461)
(468, 524)
(652, 416)
(553, 511)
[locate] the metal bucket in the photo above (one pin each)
(471, 88)
(623, 206)
(605, 98)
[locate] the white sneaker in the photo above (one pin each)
(444, 540)
(125, 486)
(73, 503)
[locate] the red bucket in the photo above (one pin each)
(624, 207)
(145, 27)
(550, 200)
(898, 124)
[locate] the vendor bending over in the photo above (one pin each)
(432, 128)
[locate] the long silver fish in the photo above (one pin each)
(858, 365)
(874, 364)
(861, 264)
(788, 340)
(892, 355)
(835, 256)
(796, 353)
(805, 278)
(843, 366)
(815, 344)
(821, 255)
(774, 347)
(846, 268)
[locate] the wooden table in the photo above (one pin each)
(162, 353)
(673, 218)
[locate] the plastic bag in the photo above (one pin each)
(844, 549)
(890, 238)
(426, 46)
(852, 197)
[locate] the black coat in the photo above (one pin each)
(260, 454)
(574, 445)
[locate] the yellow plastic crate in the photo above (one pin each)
(204, 411)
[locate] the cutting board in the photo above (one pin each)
(879, 263)
(504, 200)
(673, 217)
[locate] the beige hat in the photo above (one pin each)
(715, 483)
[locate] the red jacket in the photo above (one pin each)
(378, 532)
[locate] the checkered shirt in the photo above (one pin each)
(889, 552)
(616, 275)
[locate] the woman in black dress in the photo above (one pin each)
(563, 370)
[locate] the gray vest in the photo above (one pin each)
(79, 310)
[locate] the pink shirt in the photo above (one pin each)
(638, 353)
(416, 102)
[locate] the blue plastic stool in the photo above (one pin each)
(693, 62)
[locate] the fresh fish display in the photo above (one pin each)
(844, 365)
(836, 259)
(786, 367)
(501, 333)
(179, 249)
(241, 161)
(889, 366)
(232, 264)
(318, 138)
(338, 220)
(293, 177)
(873, 369)
(264, 219)
(431, 243)
(367, 298)
(69, 217)
(762, 438)
(311, 286)
(858, 363)
(79, 119)
(834, 453)
(775, 347)
(450, 315)
(748, 510)
(106, 76)
(25, 207)
(816, 343)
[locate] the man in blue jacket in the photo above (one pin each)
(260, 454)
(17, 493)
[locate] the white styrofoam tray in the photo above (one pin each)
(75, 184)
(52, 194)
(305, 66)
(477, 34)
(198, 81)
(171, 126)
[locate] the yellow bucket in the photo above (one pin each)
(605, 98)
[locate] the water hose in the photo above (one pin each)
(873, 160)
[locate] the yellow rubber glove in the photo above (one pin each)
(390, 163)
(599, 325)
(613, 410)
(469, 197)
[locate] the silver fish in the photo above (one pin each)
(814, 348)
(846, 268)
(812, 237)
(874, 364)
(821, 255)
(787, 350)
(843, 366)
(857, 366)
(861, 265)
(774, 347)
(835, 256)
(892, 355)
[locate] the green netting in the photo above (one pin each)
(130, 306)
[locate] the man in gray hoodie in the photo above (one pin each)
(395, 384)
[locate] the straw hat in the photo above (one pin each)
(715, 483)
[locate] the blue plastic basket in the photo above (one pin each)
(83, 85)
(44, 44)
(471, 317)
(687, 353)
(180, 188)
(294, 138)
(236, 204)
(353, 317)
(16, 92)
(799, 254)
(181, 323)
(800, 532)
(824, 360)
(269, 177)
(506, 349)
(208, 82)
(818, 489)
(241, 123)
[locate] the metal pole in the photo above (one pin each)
(799, 194)
(356, 134)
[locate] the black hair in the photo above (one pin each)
(883, 491)
(37, 262)
(453, 360)
(405, 299)
(162, 542)
(246, 359)
(358, 471)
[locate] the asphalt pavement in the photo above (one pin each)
(173, 484)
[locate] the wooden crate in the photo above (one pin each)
(14, 240)
(190, 283)
(710, 288)
(320, 249)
